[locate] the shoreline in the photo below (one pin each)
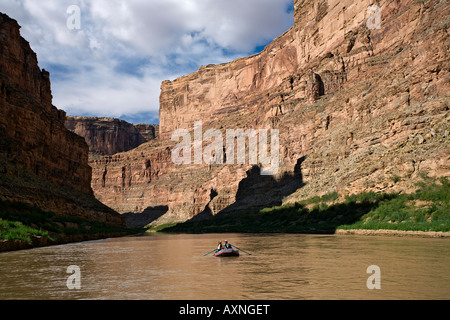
(337, 232)
(392, 233)
(39, 242)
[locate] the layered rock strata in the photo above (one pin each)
(41, 162)
(357, 108)
(108, 136)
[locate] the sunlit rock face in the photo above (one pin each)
(358, 108)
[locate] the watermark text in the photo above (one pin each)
(233, 151)
(74, 280)
(73, 22)
(374, 281)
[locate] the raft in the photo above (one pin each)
(227, 253)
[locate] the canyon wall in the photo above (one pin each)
(357, 108)
(41, 162)
(322, 32)
(108, 136)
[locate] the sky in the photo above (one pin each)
(108, 59)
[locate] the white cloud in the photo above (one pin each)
(115, 63)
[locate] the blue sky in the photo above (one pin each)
(114, 64)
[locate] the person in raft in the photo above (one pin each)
(227, 245)
(219, 246)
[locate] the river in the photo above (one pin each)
(281, 266)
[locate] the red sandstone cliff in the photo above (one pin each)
(41, 162)
(357, 109)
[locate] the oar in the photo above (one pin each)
(242, 250)
(209, 252)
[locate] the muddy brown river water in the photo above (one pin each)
(281, 266)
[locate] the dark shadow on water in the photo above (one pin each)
(140, 220)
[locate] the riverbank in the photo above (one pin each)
(23, 226)
(39, 241)
(393, 233)
(426, 211)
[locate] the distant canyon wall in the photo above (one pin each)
(358, 109)
(108, 136)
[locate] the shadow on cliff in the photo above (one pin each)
(257, 191)
(258, 208)
(140, 220)
(207, 212)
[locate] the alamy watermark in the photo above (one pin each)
(374, 281)
(74, 280)
(218, 152)
(374, 21)
(73, 21)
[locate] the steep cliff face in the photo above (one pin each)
(108, 136)
(357, 108)
(216, 91)
(41, 162)
(244, 85)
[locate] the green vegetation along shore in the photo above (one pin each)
(426, 210)
(23, 226)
